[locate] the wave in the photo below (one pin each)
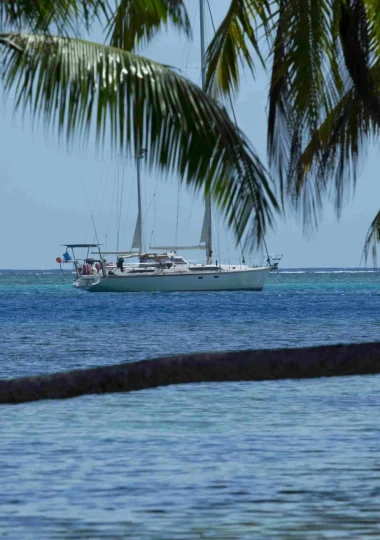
(343, 271)
(294, 272)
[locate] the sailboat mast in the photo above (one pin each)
(139, 218)
(207, 220)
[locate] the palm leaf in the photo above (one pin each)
(306, 81)
(329, 162)
(41, 15)
(372, 239)
(280, 117)
(75, 85)
(137, 21)
(356, 36)
(230, 46)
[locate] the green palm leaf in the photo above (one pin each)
(306, 80)
(137, 21)
(360, 43)
(372, 239)
(40, 15)
(75, 85)
(230, 46)
(329, 162)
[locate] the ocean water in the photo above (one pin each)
(276, 459)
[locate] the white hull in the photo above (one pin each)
(85, 282)
(248, 279)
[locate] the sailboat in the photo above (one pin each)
(162, 268)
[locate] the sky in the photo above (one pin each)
(48, 193)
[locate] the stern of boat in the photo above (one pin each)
(86, 282)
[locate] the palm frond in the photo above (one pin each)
(42, 15)
(305, 77)
(372, 239)
(372, 10)
(137, 21)
(357, 37)
(231, 46)
(328, 164)
(75, 85)
(280, 117)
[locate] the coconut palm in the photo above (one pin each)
(76, 85)
(324, 100)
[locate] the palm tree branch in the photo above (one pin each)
(280, 118)
(230, 46)
(138, 21)
(355, 38)
(76, 85)
(372, 239)
(302, 92)
(329, 161)
(41, 15)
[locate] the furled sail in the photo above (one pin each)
(206, 225)
(137, 237)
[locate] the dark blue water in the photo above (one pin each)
(279, 459)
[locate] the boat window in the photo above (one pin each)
(200, 277)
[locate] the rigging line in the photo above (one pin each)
(105, 186)
(218, 233)
(188, 219)
(122, 193)
(233, 114)
(195, 6)
(110, 216)
(151, 238)
(177, 218)
(130, 191)
(95, 231)
(95, 202)
(121, 202)
(154, 220)
(152, 200)
(227, 242)
(189, 44)
(98, 190)
(266, 249)
(117, 202)
(149, 205)
(101, 180)
(91, 213)
(145, 210)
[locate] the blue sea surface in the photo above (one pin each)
(277, 459)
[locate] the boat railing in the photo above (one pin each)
(233, 263)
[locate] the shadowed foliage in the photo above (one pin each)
(372, 239)
(231, 45)
(41, 15)
(324, 95)
(136, 22)
(324, 99)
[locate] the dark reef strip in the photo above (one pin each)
(251, 365)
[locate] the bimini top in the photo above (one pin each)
(81, 245)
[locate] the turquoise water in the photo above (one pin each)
(278, 459)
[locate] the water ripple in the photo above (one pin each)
(278, 459)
